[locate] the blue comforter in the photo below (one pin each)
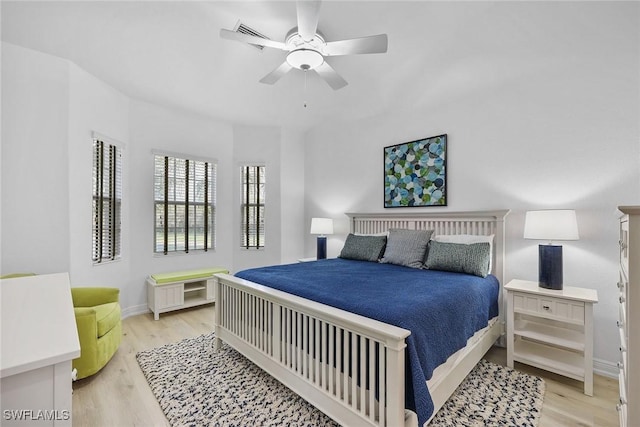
(441, 309)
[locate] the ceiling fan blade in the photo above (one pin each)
(245, 38)
(362, 45)
(308, 14)
(330, 76)
(276, 74)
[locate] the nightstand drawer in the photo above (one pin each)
(549, 307)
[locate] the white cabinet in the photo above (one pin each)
(551, 329)
(169, 296)
(39, 341)
(629, 318)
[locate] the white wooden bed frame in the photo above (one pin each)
(287, 336)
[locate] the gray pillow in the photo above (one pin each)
(406, 247)
(363, 248)
(460, 258)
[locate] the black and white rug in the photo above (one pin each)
(198, 387)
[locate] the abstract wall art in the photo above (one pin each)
(415, 173)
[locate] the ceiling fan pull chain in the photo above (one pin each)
(305, 89)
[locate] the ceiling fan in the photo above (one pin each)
(308, 48)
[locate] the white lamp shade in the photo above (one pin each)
(321, 226)
(552, 224)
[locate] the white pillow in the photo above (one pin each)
(468, 239)
(384, 233)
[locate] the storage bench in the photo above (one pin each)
(181, 289)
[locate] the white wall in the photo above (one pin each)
(157, 128)
(566, 136)
(561, 134)
(258, 146)
(292, 195)
(50, 109)
(35, 165)
(94, 107)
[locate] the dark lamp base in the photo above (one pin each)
(550, 266)
(321, 247)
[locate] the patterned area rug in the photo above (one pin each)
(198, 387)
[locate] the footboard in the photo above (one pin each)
(348, 366)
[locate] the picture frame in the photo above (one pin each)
(415, 173)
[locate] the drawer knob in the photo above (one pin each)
(620, 365)
(619, 323)
(622, 244)
(619, 285)
(546, 307)
(622, 299)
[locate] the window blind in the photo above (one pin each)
(253, 207)
(107, 201)
(184, 192)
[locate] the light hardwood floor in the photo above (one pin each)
(119, 395)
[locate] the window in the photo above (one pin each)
(253, 198)
(185, 203)
(107, 201)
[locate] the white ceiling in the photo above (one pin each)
(170, 53)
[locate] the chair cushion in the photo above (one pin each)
(177, 276)
(107, 316)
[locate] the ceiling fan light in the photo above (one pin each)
(305, 59)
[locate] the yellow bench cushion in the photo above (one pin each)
(178, 276)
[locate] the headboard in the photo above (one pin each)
(482, 223)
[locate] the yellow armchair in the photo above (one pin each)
(98, 319)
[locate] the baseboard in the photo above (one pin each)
(605, 368)
(135, 310)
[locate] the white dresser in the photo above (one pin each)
(39, 341)
(629, 322)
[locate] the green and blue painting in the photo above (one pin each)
(415, 173)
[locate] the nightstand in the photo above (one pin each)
(307, 259)
(551, 329)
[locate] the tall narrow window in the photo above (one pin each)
(107, 201)
(253, 199)
(185, 203)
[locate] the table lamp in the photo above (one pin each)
(550, 225)
(321, 226)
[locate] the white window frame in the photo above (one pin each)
(183, 243)
(107, 157)
(257, 219)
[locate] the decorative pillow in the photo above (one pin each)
(406, 247)
(363, 248)
(467, 239)
(459, 258)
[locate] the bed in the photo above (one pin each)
(354, 360)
